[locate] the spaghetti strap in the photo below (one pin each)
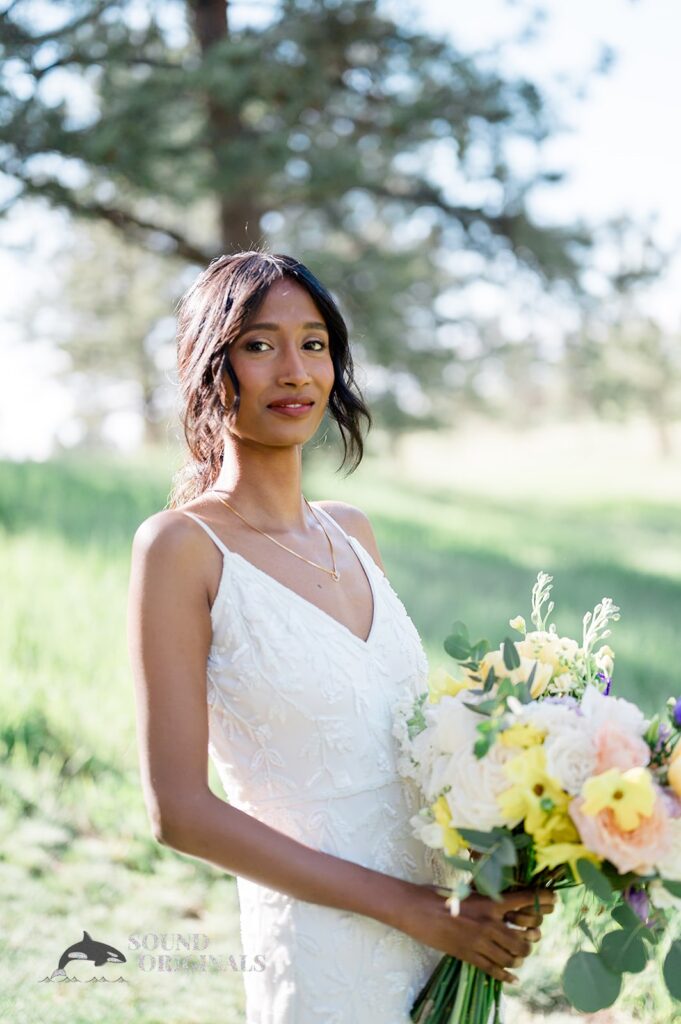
(332, 520)
(206, 527)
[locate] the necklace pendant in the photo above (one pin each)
(335, 576)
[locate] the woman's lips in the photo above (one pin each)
(287, 410)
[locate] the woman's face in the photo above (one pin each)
(282, 355)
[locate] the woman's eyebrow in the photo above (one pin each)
(310, 325)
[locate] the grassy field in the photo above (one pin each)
(463, 524)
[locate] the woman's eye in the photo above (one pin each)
(312, 341)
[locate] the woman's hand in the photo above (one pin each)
(492, 936)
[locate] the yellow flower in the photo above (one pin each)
(674, 775)
(441, 684)
(630, 796)
(522, 735)
(676, 753)
(443, 816)
(534, 794)
(558, 828)
(563, 853)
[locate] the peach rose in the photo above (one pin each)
(637, 850)
(616, 748)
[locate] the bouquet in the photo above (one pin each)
(534, 775)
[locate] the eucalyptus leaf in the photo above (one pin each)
(589, 984)
(478, 840)
(625, 916)
(594, 879)
(623, 950)
(456, 648)
(672, 969)
(673, 887)
(460, 628)
(489, 878)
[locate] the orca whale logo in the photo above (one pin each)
(87, 949)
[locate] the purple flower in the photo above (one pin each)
(608, 682)
(638, 901)
(676, 713)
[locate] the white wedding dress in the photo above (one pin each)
(300, 720)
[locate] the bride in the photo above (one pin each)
(263, 632)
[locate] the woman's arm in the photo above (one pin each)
(169, 635)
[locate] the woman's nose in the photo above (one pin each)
(293, 369)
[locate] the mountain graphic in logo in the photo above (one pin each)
(98, 953)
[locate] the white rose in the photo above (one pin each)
(475, 785)
(554, 718)
(599, 710)
(570, 759)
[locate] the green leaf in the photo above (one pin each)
(506, 853)
(489, 878)
(625, 916)
(490, 680)
(511, 656)
(623, 950)
(481, 746)
(485, 707)
(460, 628)
(478, 840)
(672, 969)
(673, 887)
(594, 879)
(459, 862)
(588, 984)
(457, 649)
(479, 650)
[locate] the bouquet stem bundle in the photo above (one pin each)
(457, 992)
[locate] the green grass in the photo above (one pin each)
(76, 850)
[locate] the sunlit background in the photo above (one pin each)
(491, 191)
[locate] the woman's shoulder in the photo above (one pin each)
(355, 522)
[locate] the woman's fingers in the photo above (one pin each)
(524, 918)
(489, 967)
(511, 940)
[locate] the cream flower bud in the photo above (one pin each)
(453, 904)
(518, 623)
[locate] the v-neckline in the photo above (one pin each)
(303, 600)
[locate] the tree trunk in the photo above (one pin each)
(239, 216)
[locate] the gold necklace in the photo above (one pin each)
(333, 573)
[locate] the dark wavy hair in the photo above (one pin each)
(211, 316)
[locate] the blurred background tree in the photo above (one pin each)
(378, 154)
